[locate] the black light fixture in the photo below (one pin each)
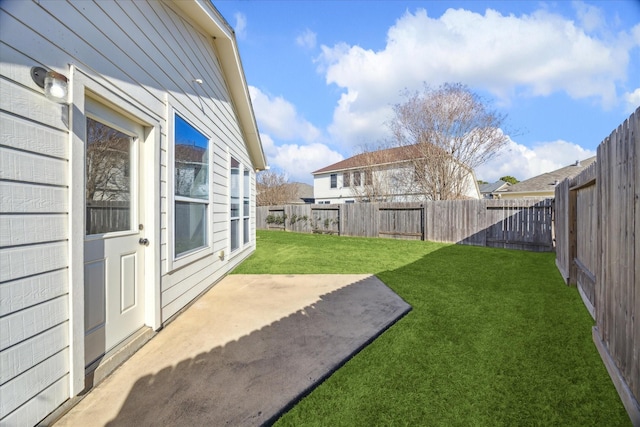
(55, 85)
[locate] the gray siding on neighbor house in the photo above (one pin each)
(147, 55)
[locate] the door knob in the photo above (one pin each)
(144, 241)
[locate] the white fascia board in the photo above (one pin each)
(209, 19)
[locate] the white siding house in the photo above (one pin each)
(385, 175)
(124, 200)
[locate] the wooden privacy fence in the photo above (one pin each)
(598, 249)
(104, 216)
(514, 224)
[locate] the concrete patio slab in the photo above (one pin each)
(244, 352)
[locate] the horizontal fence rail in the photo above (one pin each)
(525, 224)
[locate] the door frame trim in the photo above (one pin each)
(82, 84)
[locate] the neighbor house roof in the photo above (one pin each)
(493, 186)
(303, 191)
(388, 155)
(207, 16)
(547, 181)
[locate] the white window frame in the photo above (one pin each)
(331, 176)
(237, 218)
(246, 207)
(244, 186)
(179, 260)
(107, 116)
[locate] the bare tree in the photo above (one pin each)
(450, 131)
(273, 188)
(107, 158)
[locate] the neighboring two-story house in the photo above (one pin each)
(388, 175)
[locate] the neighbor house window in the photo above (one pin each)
(368, 178)
(191, 187)
(334, 180)
(246, 205)
(235, 204)
(356, 179)
(345, 179)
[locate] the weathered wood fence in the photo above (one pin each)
(598, 249)
(105, 216)
(513, 224)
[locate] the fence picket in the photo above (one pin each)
(515, 224)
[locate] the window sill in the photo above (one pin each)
(190, 257)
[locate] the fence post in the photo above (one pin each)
(422, 216)
(573, 237)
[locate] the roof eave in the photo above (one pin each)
(207, 17)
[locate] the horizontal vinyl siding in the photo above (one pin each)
(146, 55)
(37, 408)
(209, 275)
(34, 312)
(193, 51)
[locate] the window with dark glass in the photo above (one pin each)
(368, 178)
(191, 187)
(345, 179)
(235, 204)
(356, 179)
(246, 207)
(334, 180)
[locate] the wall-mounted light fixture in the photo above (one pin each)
(55, 85)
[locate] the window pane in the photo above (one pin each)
(108, 179)
(246, 185)
(356, 179)
(246, 230)
(345, 179)
(368, 178)
(191, 161)
(234, 234)
(334, 180)
(190, 225)
(235, 188)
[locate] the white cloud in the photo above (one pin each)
(355, 127)
(278, 117)
(523, 162)
(590, 17)
(298, 161)
(307, 39)
(241, 25)
(303, 150)
(507, 55)
(633, 100)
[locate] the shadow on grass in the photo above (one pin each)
(494, 338)
(251, 381)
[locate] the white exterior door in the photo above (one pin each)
(114, 234)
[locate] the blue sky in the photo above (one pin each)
(323, 75)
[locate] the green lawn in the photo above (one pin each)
(495, 338)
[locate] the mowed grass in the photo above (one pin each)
(495, 338)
